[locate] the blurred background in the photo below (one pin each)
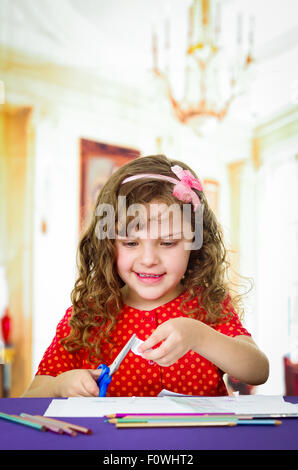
(86, 85)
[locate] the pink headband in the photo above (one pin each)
(182, 189)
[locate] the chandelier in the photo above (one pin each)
(210, 73)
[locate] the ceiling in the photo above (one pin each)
(114, 38)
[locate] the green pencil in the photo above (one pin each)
(23, 421)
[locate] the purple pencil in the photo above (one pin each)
(141, 415)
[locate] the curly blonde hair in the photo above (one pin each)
(96, 296)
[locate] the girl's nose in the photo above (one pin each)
(149, 255)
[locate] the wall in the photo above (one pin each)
(269, 233)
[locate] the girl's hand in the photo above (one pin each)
(178, 336)
(78, 383)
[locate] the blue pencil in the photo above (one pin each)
(259, 422)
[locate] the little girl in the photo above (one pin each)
(142, 275)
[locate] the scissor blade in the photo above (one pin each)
(116, 363)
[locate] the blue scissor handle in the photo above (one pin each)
(103, 380)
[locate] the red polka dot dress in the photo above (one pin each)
(192, 374)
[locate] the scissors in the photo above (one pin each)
(107, 371)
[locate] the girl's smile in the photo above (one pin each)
(149, 278)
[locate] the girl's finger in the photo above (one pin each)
(154, 354)
(165, 349)
(90, 388)
(157, 336)
(81, 391)
(168, 359)
(95, 373)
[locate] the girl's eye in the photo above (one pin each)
(129, 244)
(168, 243)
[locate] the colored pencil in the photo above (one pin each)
(141, 415)
(120, 422)
(186, 416)
(19, 420)
(59, 428)
(244, 416)
(274, 415)
(170, 419)
(163, 424)
(258, 422)
(48, 426)
(76, 427)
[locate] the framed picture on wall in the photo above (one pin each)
(211, 190)
(98, 161)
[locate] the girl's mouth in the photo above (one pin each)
(148, 278)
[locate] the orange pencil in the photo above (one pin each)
(76, 427)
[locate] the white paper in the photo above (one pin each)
(241, 404)
(168, 393)
(102, 406)
(173, 403)
(137, 342)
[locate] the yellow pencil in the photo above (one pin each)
(168, 424)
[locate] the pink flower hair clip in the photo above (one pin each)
(182, 187)
(182, 190)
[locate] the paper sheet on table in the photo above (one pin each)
(240, 404)
(102, 406)
(99, 407)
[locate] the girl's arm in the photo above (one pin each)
(41, 386)
(238, 356)
(72, 383)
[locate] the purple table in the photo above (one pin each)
(106, 437)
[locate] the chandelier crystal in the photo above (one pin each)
(202, 84)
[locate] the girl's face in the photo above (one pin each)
(152, 262)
